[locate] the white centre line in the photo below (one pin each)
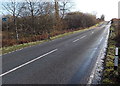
(79, 39)
(83, 37)
(28, 62)
(92, 32)
(76, 40)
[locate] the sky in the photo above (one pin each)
(107, 7)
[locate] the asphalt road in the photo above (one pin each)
(67, 60)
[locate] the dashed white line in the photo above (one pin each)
(76, 40)
(20, 66)
(83, 37)
(79, 39)
(92, 32)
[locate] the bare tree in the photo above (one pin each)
(61, 8)
(102, 17)
(32, 6)
(14, 8)
(57, 17)
(65, 6)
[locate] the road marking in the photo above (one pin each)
(76, 40)
(28, 62)
(97, 61)
(92, 54)
(79, 39)
(100, 40)
(92, 32)
(83, 37)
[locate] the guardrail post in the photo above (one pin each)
(116, 59)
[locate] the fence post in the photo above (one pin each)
(116, 59)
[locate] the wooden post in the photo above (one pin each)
(116, 59)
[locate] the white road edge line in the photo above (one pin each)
(27, 62)
(93, 71)
(79, 39)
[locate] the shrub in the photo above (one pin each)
(8, 42)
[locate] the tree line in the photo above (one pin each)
(116, 25)
(37, 20)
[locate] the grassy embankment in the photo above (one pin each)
(111, 76)
(20, 46)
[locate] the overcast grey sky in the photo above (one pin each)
(107, 7)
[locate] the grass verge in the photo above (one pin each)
(9, 49)
(110, 76)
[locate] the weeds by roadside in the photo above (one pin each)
(111, 76)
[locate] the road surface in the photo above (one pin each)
(67, 60)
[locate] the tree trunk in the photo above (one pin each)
(16, 29)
